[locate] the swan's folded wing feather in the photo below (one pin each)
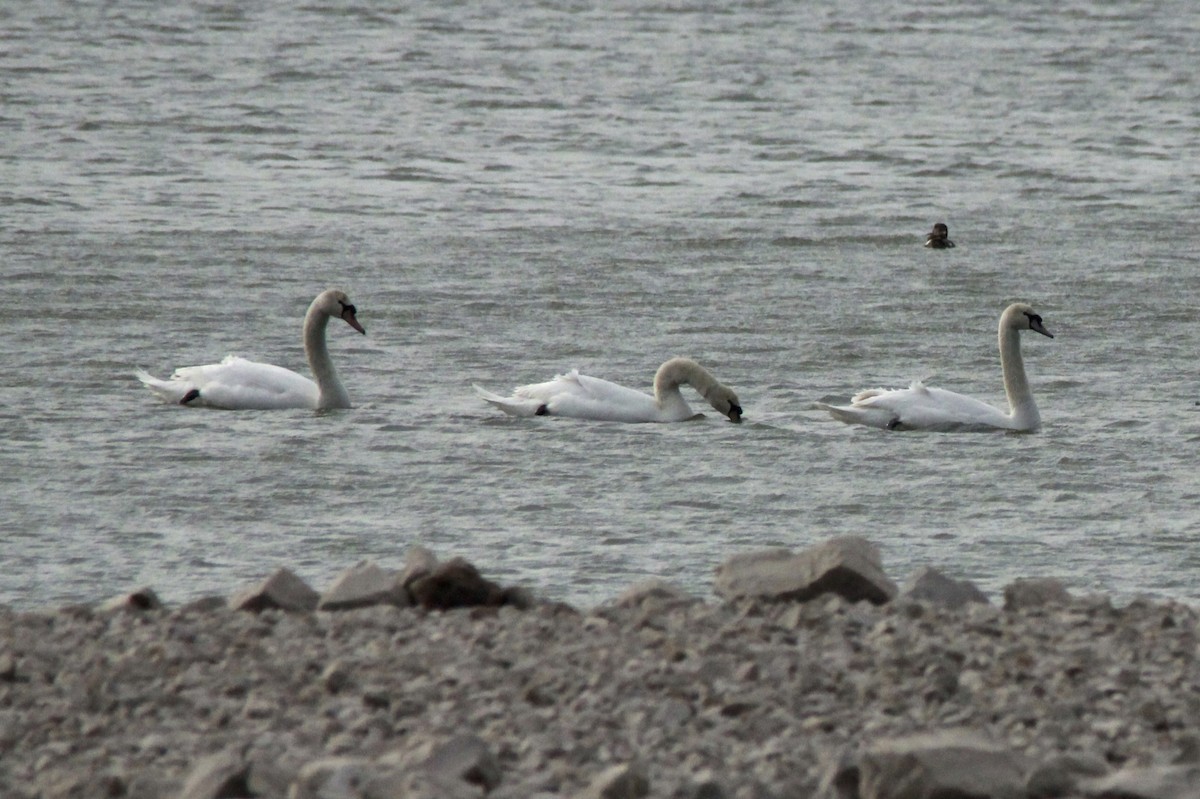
(920, 407)
(514, 405)
(637, 407)
(939, 409)
(243, 384)
(580, 397)
(543, 392)
(605, 391)
(583, 388)
(166, 390)
(859, 413)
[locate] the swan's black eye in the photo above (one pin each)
(348, 307)
(1034, 319)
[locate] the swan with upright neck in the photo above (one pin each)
(920, 407)
(240, 384)
(579, 396)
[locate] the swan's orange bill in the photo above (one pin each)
(352, 320)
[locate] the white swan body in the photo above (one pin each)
(581, 397)
(919, 407)
(239, 384)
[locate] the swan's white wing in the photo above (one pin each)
(880, 417)
(939, 409)
(580, 397)
(919, 407)
(236, 384)
(516, 406)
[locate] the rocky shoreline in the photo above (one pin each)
(810, 675)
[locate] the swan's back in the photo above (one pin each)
(577, 396)
(580, 396)
(236, 383)
(921, 407)
(583, 397)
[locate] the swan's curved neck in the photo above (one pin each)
(674, 373)
(1016, 385)
(332, 393)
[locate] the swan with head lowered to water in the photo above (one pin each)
(919, 407)
(581, 397)
(239, 384)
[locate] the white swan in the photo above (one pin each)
(238, 384)
(582, 397)
(919, 407)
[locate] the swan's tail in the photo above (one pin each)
(858, 414)
(516, 406)
(844, 413)
(172, 391)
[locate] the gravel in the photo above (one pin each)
(655, 694)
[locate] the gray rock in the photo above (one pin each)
(705, 786)
(455, 584)
(1061, 774)
(656, 591)
(8, 668)
(467, 758)
(928, 584)
(1153, 782)
(270, 775)
(205, 604)
(220, 776)
(361, 586)
(141, 599)
(283, 590)
(1035, 593)
(336, 677)
(334, 778)
(849, 567)
(841, 776)
(623, 781)
(419, 562)
(416, 785)
(951, 763)
(1189, 746)
(519, 597)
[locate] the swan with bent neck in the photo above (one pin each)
(919, 407)
(579, 396)
(239, 384)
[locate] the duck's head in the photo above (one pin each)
(939, 236)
